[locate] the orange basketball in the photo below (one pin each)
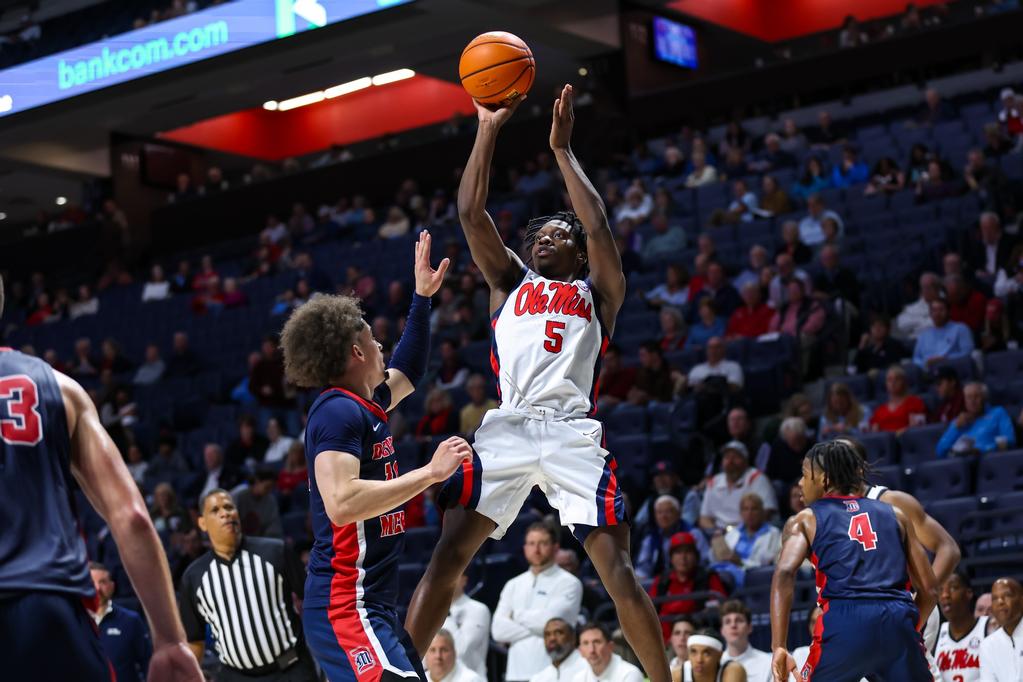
(496, 68)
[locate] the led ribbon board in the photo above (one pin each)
(201, 35)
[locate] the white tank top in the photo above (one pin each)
(875, 492)
(687, 672)
(959, 661)
(547, 345)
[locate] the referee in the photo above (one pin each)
(242, 589)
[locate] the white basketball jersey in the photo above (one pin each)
(547, 345)
(959, 661)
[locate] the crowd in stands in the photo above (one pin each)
(712, 346)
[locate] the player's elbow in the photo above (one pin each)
(339, 513)
(954, 553)
(130, 520)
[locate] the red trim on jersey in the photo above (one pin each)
(495, 362)
(5, 348)
(341, 610)
(467, 473)
(609, 495)
(368, 404)
(816, 648)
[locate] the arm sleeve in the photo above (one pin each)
(195, 627)
(947, 440)
(413, 348)
(504, 628)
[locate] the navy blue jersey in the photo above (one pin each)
(858, 550)
(41, 547)
(357, 562)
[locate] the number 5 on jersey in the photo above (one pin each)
(862, 532)
(554, 337)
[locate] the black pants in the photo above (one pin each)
(50, 637)
(302, 670)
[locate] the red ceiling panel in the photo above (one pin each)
(774, 20)
(366, 114)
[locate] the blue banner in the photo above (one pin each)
(168, 45)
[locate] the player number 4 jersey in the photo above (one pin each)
(547, 345)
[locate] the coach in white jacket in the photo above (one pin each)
(468, 622)
(1001, 653)
(603, 664)
(529, 600)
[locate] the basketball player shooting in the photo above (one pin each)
(551, 322)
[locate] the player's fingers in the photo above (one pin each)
(443, 268)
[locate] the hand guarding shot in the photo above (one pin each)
(358, 486)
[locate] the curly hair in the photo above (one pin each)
(317, 339)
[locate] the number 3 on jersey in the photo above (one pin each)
(862, 532)
(554, 337)
(19, 418)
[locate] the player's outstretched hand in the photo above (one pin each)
(428, 280)
(174, 663)
(564, 119)
(782, 665)
(498, 116)
(449, 456)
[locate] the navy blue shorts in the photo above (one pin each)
(50, 636)
(858, 638)
(361, 645)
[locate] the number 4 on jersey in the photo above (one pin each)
(862, 532)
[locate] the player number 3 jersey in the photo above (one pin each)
(547, 345)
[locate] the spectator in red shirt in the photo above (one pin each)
(753, 317)
(440, 419)
(686, 577)
(294, 473)
(673, 329)
(950, 390)
(965, 304)
(206, 274)
(43, 313)
(615, 379)
(1009, 115)
(902, 410)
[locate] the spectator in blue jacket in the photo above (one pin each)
(812, 181)
(122, 632)
(946, 340)
(654, 553)
(851, 171)
(980, 428)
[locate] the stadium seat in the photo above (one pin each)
(1000, 472)
(888, 476)
(943, 479)
(950, 512)
(626, 419)
(881, 448)
(919, 444)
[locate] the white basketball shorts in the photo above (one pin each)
(564, 456)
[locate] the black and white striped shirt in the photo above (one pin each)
(245, 601)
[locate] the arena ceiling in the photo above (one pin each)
(72, 137)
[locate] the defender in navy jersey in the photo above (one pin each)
(359, 485)
(866, 556)
(50, 433)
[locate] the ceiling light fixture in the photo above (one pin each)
(349, 87)
(301, 101)
(393, 76)
(3, 216)
(338, 90)
(61, 201)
